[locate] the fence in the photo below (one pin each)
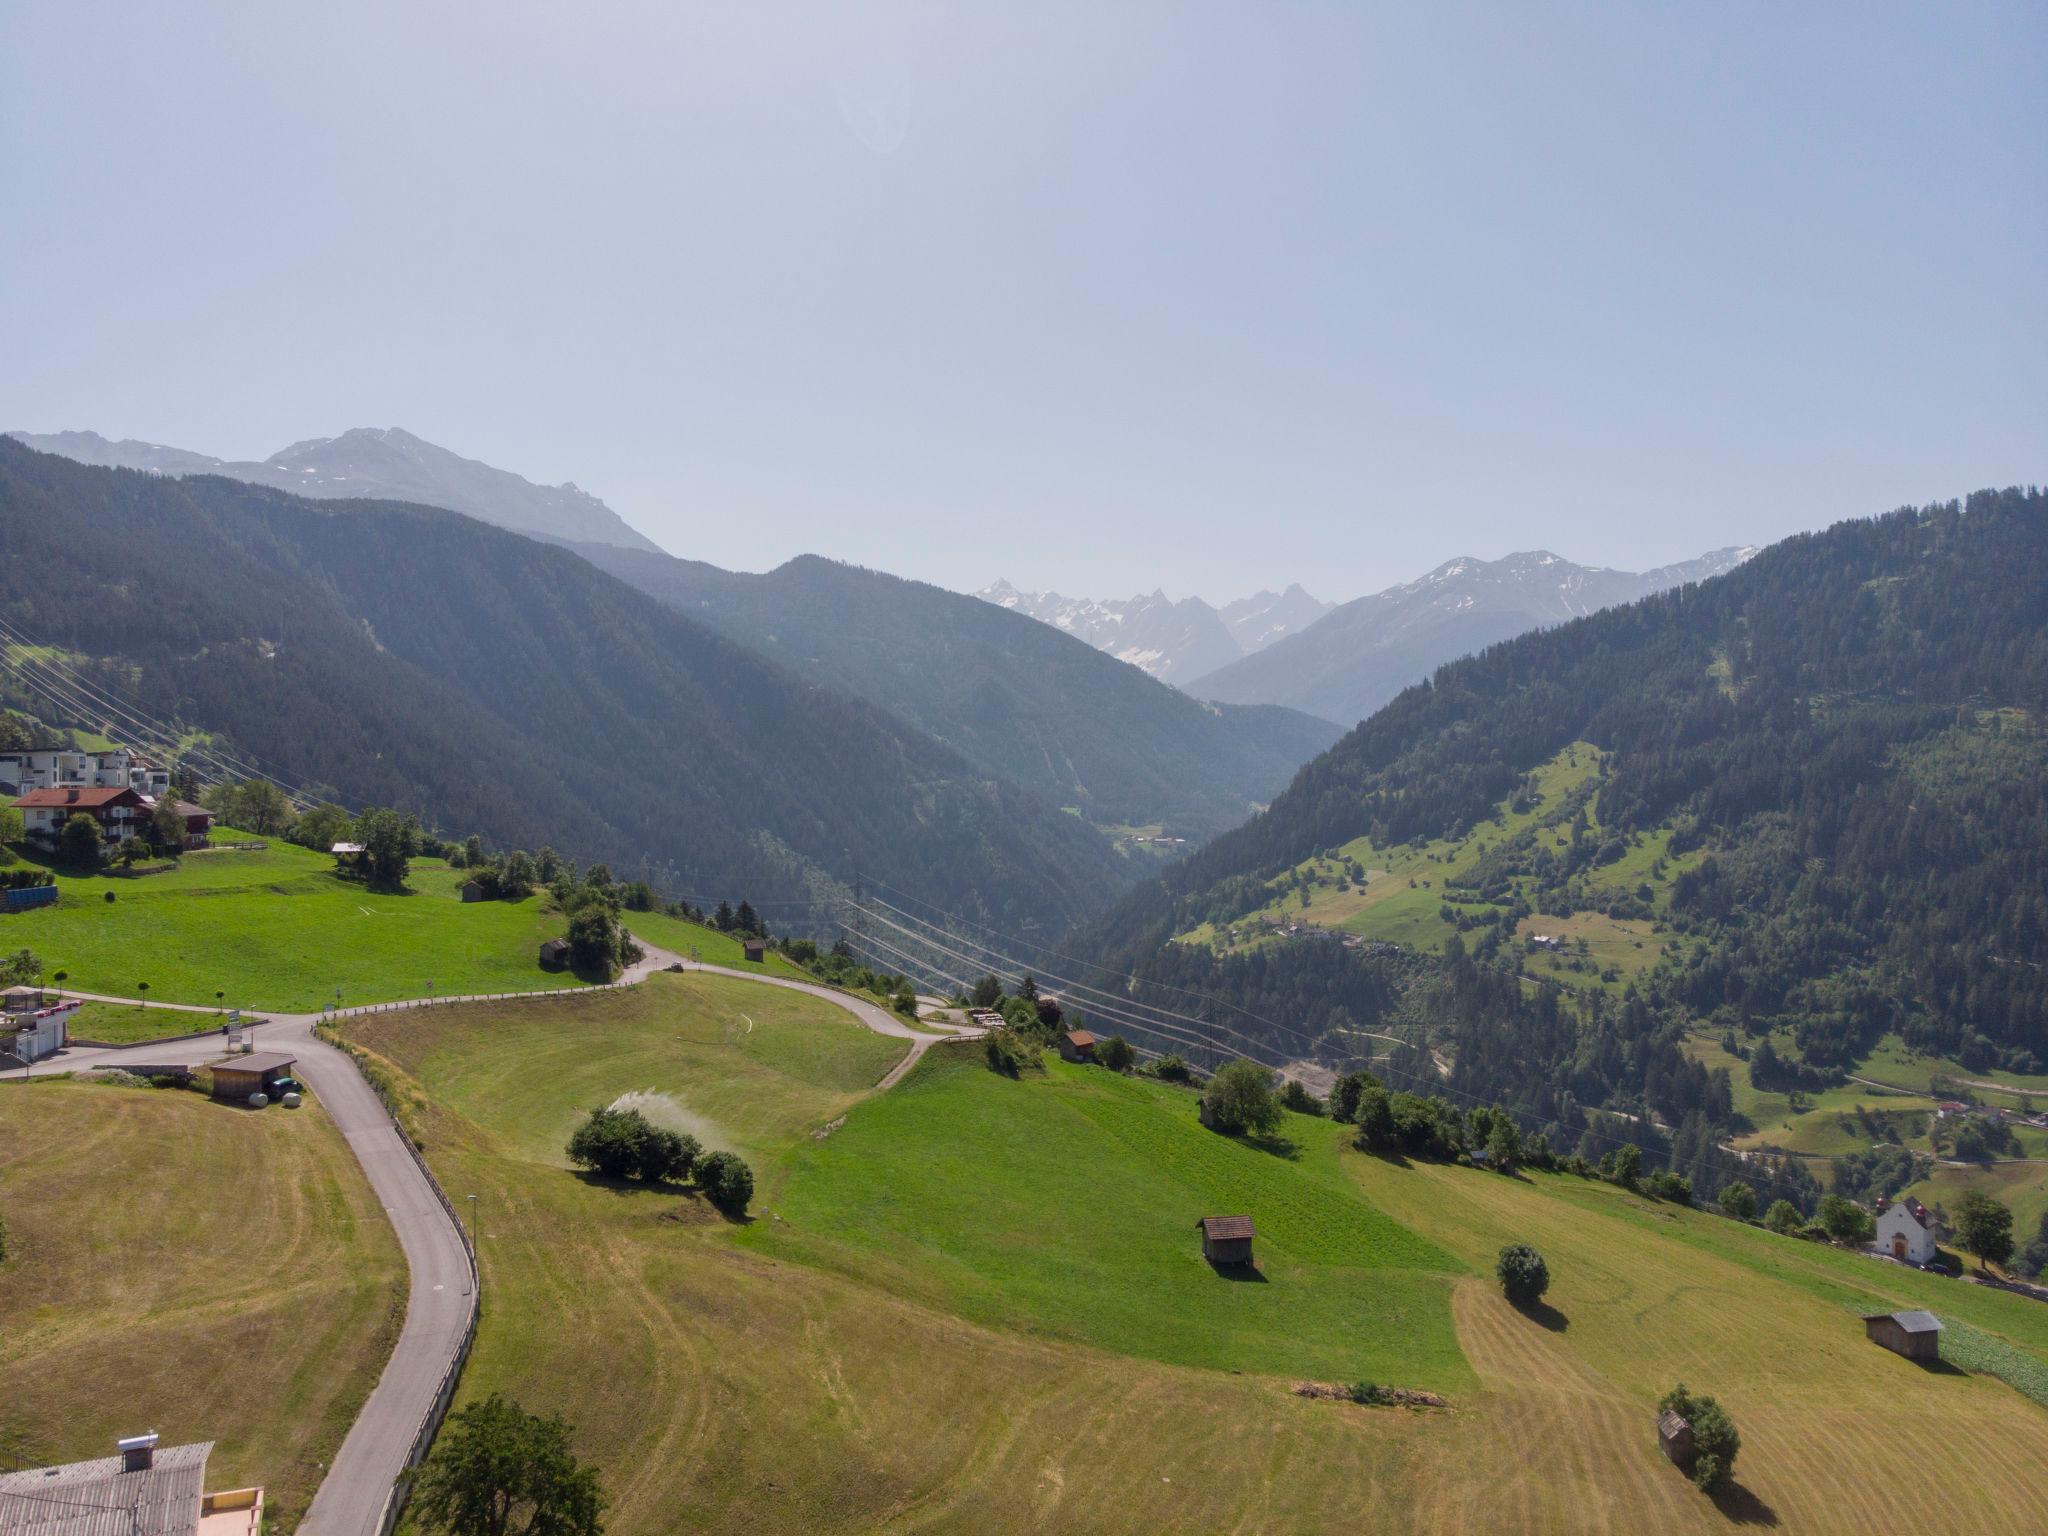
(30, 896)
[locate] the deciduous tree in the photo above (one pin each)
(497, 1470)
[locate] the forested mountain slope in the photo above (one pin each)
(1016, 697)
(408, 656)
(1354, 658)
(384, 463)
(1807, 798)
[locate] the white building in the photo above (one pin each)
(75, 768)
(32, 1036)
(1905, 1230)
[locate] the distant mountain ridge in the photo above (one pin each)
(1360, 654)
(379, 463)
(1174, 640)
(1014, 697)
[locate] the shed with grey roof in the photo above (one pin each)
(260, 1072)
(142, 1492)
(1916, 1335)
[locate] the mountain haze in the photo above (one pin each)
(1359, 655)
(405, 655)
(379, 463)
(1016, 697)
(1174, 640)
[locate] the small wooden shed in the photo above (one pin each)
(471, 891)
(240, 1076)
(1227, 1239)
(1077, 1045)
(1916, 1335)
(554, 954)
(1674, 1439)
(755, 950)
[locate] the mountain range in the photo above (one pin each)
(1017, 698)
(1173, 640)
(379, 463)
(1357, 656)
(395, 654)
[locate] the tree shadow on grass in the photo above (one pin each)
(1741, 1507)
(1545, 1315)
(1274, 1146)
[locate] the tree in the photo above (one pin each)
(166, 828)
(609, 1142)
(1115, 1053)
(548, 866)
(497, 1470)
(79, 843)
(1375, 1115)
(666, 1157)
(1240, 1098)
(726, 1181)
(1738, 1200)
(259, 806)
(1171, 1068)
(1627, 1166)
(1295, 1096)
(1983, 1226)
(1028, 988)
(1714, 1439)
(987, 992)
(722, 918)
(1524, 1277)
(2033, 1259)
(746, 919)
(1504, 1142)
(23, 968)
(1845, 1221)
(10, 826)
(1782, 1217)
(320, 828)
(516, 877)
(1344, 1095)
(595, 938)
(388, 841)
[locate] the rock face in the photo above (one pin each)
(1172, 640)
(1357, 656)
(381, 464)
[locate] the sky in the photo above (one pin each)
(1102, 298)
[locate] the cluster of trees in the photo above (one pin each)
(625, 1144)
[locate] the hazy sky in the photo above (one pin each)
(1102, 297)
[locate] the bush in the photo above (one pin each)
(1241, 1100)
(1116, 1054)
(1714, 1439)
(610, 1142)
(1738, 1200)
(727, 1181)
(1297, 1098)
(1344, 1096)
(1845, 1221)
(1010, 1054)
(1670, 1186)
(1524, 1277)
(1783, 1216)
(1171, 1068)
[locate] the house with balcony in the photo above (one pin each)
(121, 812)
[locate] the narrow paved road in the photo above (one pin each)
(442, 1299)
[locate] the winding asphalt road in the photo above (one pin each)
(442, 1299)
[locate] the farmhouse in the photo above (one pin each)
(1916, 1335)
(240, 1076)
(554, 954)
(1077, 1045)
(141, 1491)
(1227, 1239)
(1674, 1439)
(121, 812)
(1905, 1231)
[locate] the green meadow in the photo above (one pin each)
(279, 929)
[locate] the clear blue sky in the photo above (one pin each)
(1100, 296)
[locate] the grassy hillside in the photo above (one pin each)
(279, 929)
(961, 1306)
(191, 1268)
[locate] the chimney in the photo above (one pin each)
(138, 1452)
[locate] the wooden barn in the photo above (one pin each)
(1916, 1335)
(554, 954)
(239, 1076)
(755, 950)
(1227, 1239)
(1674, 1439)
(471, 891)
(1077, 1045)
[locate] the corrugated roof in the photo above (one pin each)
(96, 1498)
(260, 1061)
(1916, 1321)
(1222, 1228)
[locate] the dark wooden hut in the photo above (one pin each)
(1674, 1439)
(1916, 1335)
(1227, 1239)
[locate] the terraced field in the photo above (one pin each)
(192, 1268)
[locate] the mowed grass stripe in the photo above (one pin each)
(1010, 1202)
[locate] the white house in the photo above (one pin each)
(1905, 1231)
(32, 1036)
(71, 767)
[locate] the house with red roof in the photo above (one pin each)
(120, 811)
